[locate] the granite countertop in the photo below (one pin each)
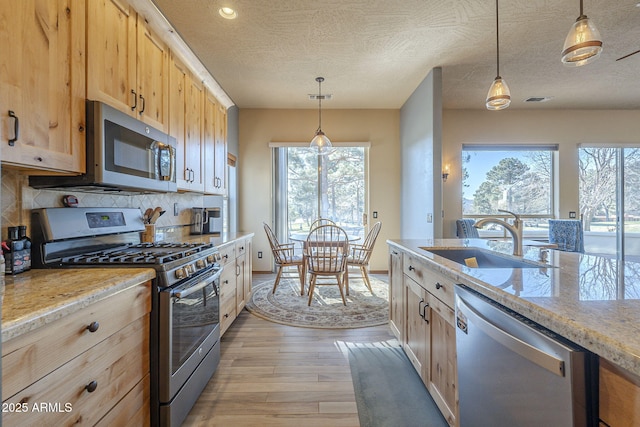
(38, 297)
(591, 300)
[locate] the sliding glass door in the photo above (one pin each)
(309, 186)
(610, 201)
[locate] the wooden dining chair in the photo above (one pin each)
(321, 221)
(326, 251)
(284, 257)
(359, 256)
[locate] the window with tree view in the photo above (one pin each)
(516, 178)
(313, 186)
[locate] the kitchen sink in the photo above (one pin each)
(483, 258)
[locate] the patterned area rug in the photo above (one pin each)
(288, 307)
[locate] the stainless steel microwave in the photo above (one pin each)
(123, 154)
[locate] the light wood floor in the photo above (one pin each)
(280, 376)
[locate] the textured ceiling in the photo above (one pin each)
(374, 53)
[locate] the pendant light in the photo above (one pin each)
(499, 96)
(583, 43)
(320, 141)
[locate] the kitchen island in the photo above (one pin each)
(593, 301)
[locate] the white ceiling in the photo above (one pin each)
(374, 53)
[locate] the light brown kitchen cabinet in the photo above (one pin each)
(235, 280)
(416, 337)
(42, 85)
(91, 364)
(396, 295)
(243, 273)
(429, 327)
(619, 396)
(127, 64)
(228, 309)
(214, 146)
(186, 117)
(220, 162)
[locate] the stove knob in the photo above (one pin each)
(181, 273)
(211, 259)
(201, 263)
(191, 268)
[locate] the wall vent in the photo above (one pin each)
(315, 97)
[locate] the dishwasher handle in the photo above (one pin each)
(524, 349)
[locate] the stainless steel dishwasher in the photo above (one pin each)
(513, 372)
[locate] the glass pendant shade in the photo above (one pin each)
(499, 96)
(583, 43)
(320, 141)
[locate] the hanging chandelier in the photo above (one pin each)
(583, 43)
(499, 96)
(320, 140)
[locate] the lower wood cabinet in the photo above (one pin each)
(619, 396)
(80, 368)
(422, 317)
(235, 280)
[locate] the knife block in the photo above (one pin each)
(149, 234)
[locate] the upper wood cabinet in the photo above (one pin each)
(42, 84)
(127, 64)
(215, 146)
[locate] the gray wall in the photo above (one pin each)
(421, 146)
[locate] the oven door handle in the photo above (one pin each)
(195, 288)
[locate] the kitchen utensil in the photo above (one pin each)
(155, 215)
(147, 215)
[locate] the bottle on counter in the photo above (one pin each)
(18, 258)
(22, 235)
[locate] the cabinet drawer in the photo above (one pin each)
(241, 247)
(434, 282)
(30, 357)
(133, 410)
(440, 286)
(116, 365)
(227, 253)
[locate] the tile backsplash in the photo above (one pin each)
(18, 199)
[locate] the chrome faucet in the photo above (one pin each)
(515, 229)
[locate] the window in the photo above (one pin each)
(516, 178)
(609, 200)
(310, 186)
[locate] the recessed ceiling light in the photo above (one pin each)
(227, 13)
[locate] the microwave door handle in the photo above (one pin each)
(206, 216)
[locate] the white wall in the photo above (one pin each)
(420, 139)
(259, 127)
(568, 128)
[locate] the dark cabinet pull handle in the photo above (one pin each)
(92, 386)
(420, 310)
(438, 285)
(424, 312)
(135, 100)
(93, 326)
(411, 268)
(16, 128)
(143, 104)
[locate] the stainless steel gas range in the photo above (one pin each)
(185, 332)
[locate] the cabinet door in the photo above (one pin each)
(220, 166)
(42, 84)
(193, 137)
(248, 267)
(111, 54)
(227, 297)
(152, 77)
(416, 338)
(396, 294)
(209, 143)
(442, 378)
(178, 82)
